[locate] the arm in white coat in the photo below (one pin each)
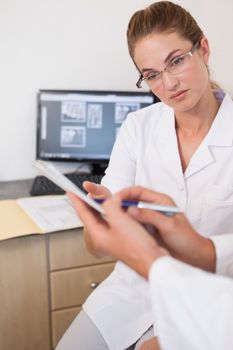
(193, 309)
(224, 254)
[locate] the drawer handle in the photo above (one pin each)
(94, 285)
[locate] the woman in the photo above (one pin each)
(181, 146)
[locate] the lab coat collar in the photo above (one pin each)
(219, 135)
(221, 131)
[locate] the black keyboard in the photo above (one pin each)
(43, 186)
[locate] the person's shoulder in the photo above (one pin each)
(152, 112)
(145, 120)
(156, 107)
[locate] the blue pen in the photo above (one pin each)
(164, 209)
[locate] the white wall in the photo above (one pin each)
(77, 44)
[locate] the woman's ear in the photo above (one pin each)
(205, 49)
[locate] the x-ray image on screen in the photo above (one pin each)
(83, 125)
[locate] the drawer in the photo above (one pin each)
(70, 288)
(67, 250)
(61, 320)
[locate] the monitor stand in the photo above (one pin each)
(98, 168)
(90, 168)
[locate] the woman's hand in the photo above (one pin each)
(150, 344)
(178, 236)
(95, 191)
(120, 235)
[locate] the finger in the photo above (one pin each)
(147, 216)
(126, 227)
(96, 190)
(140, 193)
(88, 216)
(96, 229)
(90, 187)
(117, 217)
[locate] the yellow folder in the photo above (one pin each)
(36, 215)
(14, 221)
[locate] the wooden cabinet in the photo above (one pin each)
(74, 273)
(44, 279)
(61, 320)
(43, 282)
(24, 314)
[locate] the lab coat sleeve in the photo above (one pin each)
(224, 254)
(193, 309)
(121, 170)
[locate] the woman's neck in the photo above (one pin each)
(200, 118)
(194, 125)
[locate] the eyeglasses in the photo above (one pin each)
(177, 66)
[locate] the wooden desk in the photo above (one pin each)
(44, 279)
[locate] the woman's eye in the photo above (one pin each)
(152, 76)
(177, 61)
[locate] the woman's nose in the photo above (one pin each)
(170, 81)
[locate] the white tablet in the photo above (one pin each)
(49, 170)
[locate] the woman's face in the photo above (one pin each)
(184, 87)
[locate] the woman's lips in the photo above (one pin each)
(178, 95)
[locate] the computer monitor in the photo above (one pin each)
(82, 125)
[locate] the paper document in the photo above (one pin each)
(36, 215)
(51, 213)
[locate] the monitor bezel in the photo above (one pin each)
(96, 92)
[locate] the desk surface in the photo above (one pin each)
(15, 189)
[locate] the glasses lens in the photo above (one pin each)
(179, 64)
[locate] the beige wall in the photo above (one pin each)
(77, 44)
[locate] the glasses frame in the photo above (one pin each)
(188, 53)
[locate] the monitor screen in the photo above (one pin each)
(83, 125)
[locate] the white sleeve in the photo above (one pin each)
(122, 165)
(224, 254)
(193, 309)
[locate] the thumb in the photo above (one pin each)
(96, 190)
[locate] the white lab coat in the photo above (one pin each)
(193, 308)
(146, 153)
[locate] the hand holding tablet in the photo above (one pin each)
(49, 170)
